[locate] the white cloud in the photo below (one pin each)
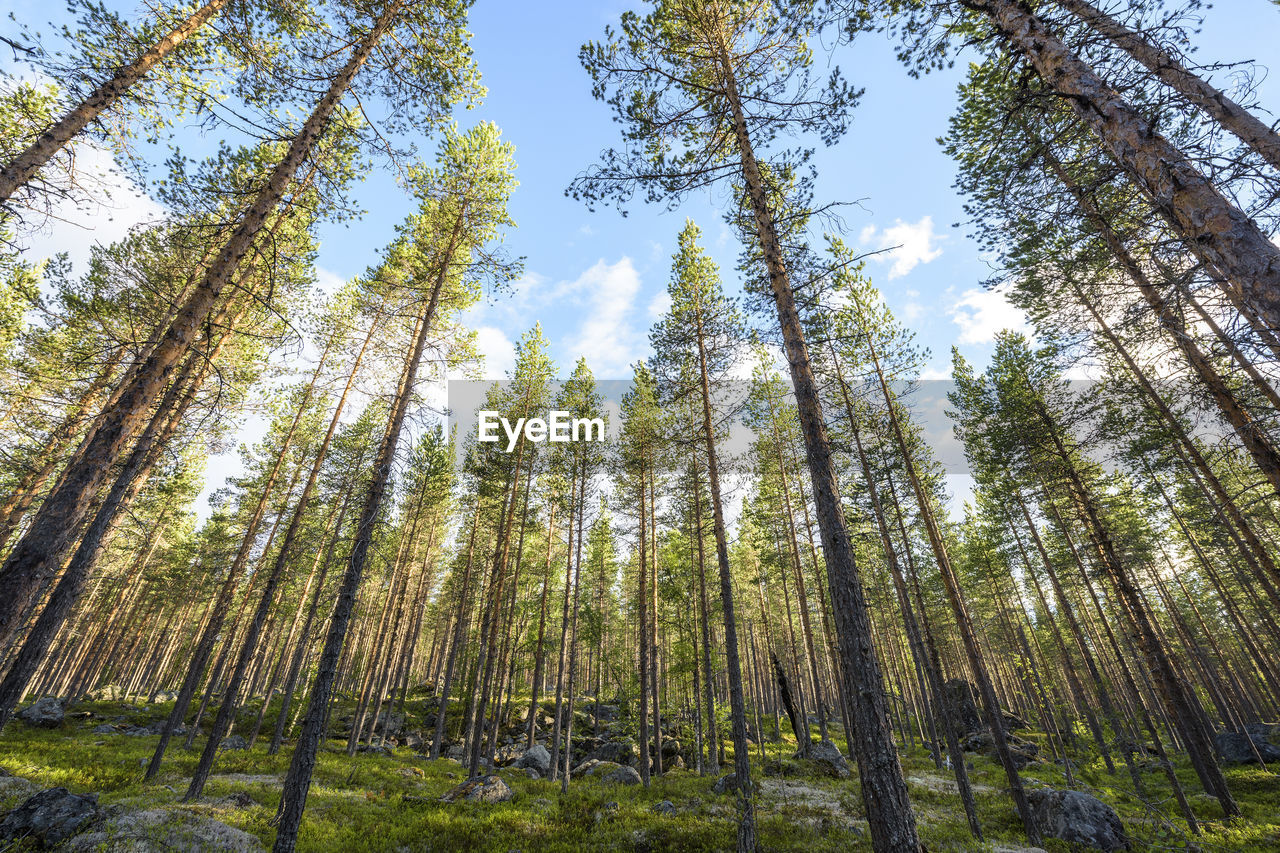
(496, 348)
(913, 310)
(606, 337)
(981, 313)
(73, 228)
(328, 281)
(905, 244)
(660, 304)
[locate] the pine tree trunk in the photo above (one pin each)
(298, 781)
(1251, 435)
(539, 651)
(19, 171)
(642, 608)
(884, 790)
(1210, 225)
(737, 701)
(1170, 71)
(36, 557)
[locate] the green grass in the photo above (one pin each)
(359, 803)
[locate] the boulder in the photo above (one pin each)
(828, 758)
(389, 723)
(165, 696)
(1077, 818)
(104, 729)
(481, 789)
(1023, 752)
(154, 728)
(238, 800)
(726, 784)
(537, 758)
(49, 817)
(962, 712)
(505, 755)
(16, 789)
(1262, 731)
(107, 693)
(617, 751)
(1236, 748)
(666, 807)
(46, 713)
(670, 748)
(233, 742)
(165, 831)
(592, 767)
(622, 776)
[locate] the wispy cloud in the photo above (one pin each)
(981, 313)
(904, 245)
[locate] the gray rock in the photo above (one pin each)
(828, 757)
(233, 742)
(1262, 730)
(1023, 752)
(15, 789)
(389, 723)
(481, 789)
(537, 758)
(46, 713)
(666, 807)
(590, 764)
(238, 800)
(104, 729)
(165, 831)
(505, 755)
(617, 751)
(49, 817)
(726, 784)
(154, 728)
(1234, 748)
(622, 776)
(107, 693)
(962, 712)
(165, 696)
(1077, 818)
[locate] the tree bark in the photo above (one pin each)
(1169, 70)
(884, 790)
(19, 171)
(1210, 226)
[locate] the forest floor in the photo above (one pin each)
(390, 802)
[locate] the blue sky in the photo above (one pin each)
(596, 281)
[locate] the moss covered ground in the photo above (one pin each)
(374, 802)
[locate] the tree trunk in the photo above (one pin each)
(1210, 226)
(1170, 71)
(884, 790)
(19, 171)
(37, 556)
